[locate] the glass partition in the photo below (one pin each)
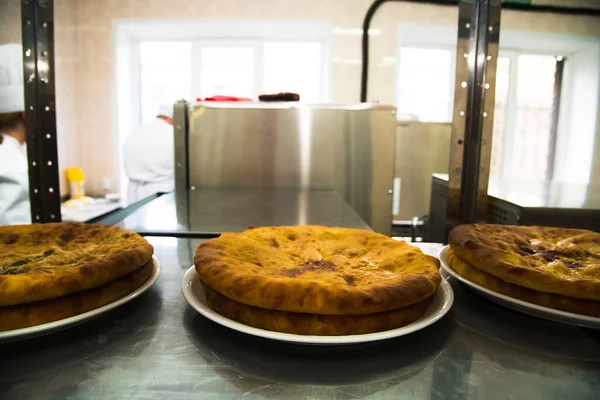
(117, 63)
(545, 117)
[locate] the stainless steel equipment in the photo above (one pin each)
(347, 149)
(422, 149)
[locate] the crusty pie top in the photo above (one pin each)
(318, 270)
(554, 260)
(44, 261)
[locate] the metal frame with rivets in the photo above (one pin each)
(180, 137)
(182, 170)
(472, 125)
(40, 109)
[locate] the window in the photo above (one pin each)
(524, 101)
(160, 61)
(248, 68)
(523, 145)
(226, 70)
(425, 90)
(294, 67)
(230, 67)
(424, 83)
(165, 72)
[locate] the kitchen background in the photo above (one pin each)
(113, 68)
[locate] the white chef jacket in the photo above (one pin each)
(14, 183)
(149, 160)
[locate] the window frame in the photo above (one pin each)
(127, 34)
(230, 31)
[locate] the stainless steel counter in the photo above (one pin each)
(157, 347)
(209, 211)
(95, 210)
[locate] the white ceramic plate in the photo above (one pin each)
(194, 294)
(44, 329)
(520, 305)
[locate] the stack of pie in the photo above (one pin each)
(552, 267)
(53, 271)
(313, 280)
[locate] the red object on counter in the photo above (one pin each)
(224, 98)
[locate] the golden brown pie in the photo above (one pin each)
(552, 260)
(45, 261)
(313, 324)
(45, 311)
(578, 306)
(317, 270)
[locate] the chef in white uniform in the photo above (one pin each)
(14, 183)
(149, 157)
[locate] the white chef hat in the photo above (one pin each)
(165, 110)
(12, 98)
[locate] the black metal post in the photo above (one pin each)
(472, 124)
(40, 109)
(474, 117)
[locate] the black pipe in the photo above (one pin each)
(364, 73)
(593, 12)
(507, 6)
(365, 37)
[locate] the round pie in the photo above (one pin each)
(553, 260)
(45, 261)
(556, 301)
(45, 311)
(313, 324)
(317, 270)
